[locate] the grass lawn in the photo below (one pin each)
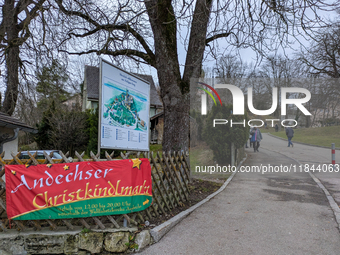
(323, 136)
(156, 147)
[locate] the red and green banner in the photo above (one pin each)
(76, 190)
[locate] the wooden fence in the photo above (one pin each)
(170, 177)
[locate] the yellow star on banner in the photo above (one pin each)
(13, 172)
(136, 162)
(66, 167)
(49, 165)
(146, 202)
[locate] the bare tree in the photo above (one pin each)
(321, 61)
(149, 32)
(14, 32)
(231, 66)
(323, 55)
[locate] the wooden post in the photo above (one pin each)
(232, 154)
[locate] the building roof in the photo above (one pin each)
(154, 97)
(11, 122)
(92, 82)
(157, 115)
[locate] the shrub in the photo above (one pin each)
(92, 134)
(220, 137)
(199, 121)
(62, 129)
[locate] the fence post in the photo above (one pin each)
(333, 154)
(232, 154)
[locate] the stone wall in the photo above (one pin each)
(79, 242)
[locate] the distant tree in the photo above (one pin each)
(51, 84)
(323, 55)
(231, 67)
(44, 128)
(276, 71)
(321, 62)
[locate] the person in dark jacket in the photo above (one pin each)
(256, 138)
(290, 134)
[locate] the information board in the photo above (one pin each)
(124, 103)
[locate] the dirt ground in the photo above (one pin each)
(199, 189)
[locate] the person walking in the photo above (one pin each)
(256, 138)
(290, 134)
(250, 136)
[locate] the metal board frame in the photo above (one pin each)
(100, 108)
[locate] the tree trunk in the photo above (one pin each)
(12, 57)
(308, 121)
(176, 119)
(174, 89)
(175, 113)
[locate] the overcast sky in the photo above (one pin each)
(247, 55)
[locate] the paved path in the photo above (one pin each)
(303, 153)
(309, 156)
(272, 213)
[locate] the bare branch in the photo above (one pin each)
(214, 37)
(125, 52)
(110, 28)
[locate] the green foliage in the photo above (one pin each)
(220, 137)
(26, 148)
(86, 230)
(92, 130)
(52, 83)
(156, 147)
(62, 129)
(44, 128)
(200, 123)
(92, 133)
(131, 244)
(333, 121)
(82, 88)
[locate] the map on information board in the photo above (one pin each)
(125, 102)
